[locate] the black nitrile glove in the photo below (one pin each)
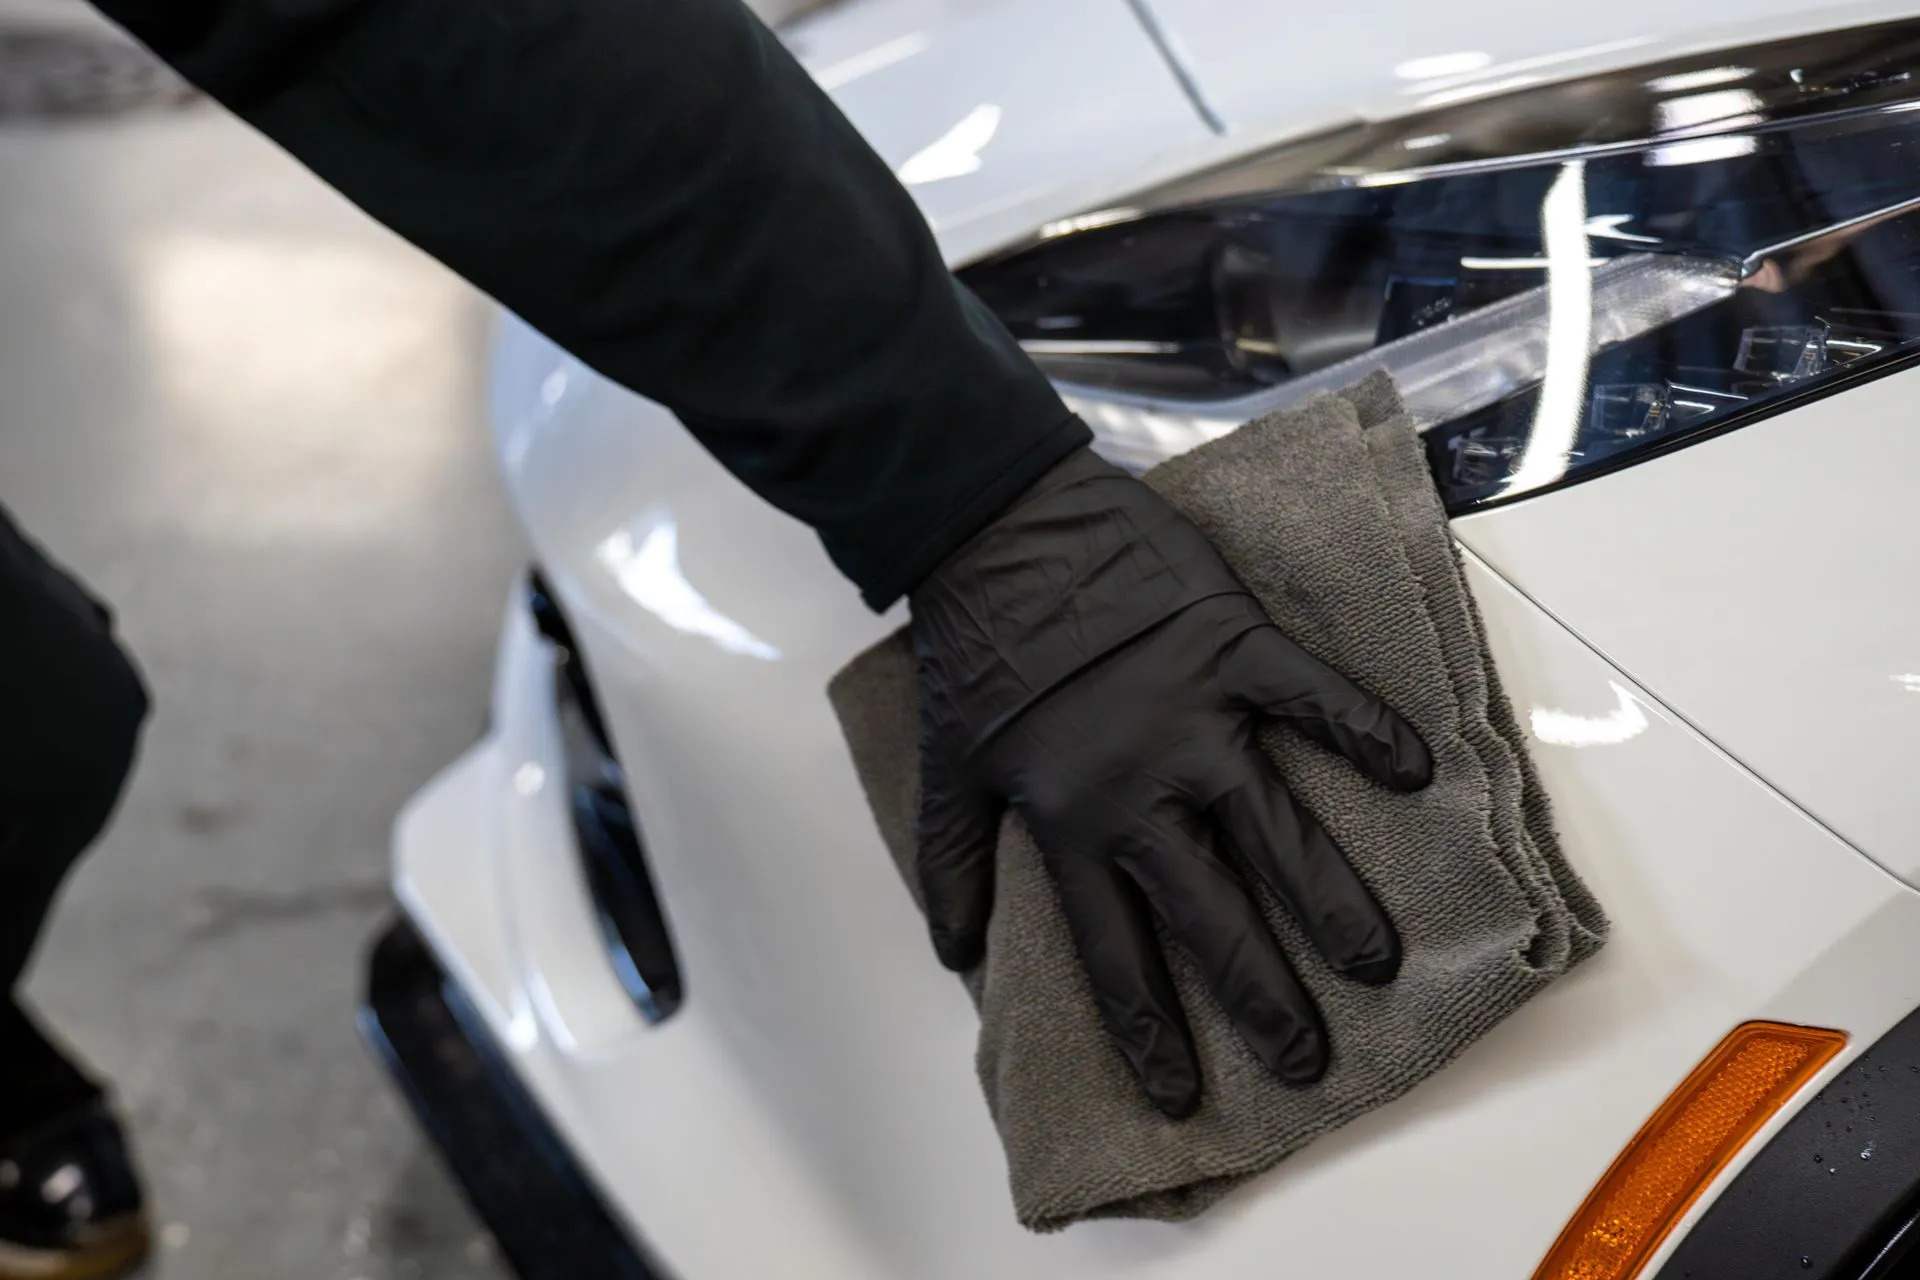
(1089, 659)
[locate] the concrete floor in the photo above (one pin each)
(251, 420)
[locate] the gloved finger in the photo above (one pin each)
(1270, 672)
(1299, 860)
(1113, 932)
(1207, 908)
(957, 827)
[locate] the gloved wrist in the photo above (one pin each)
(1084, 561)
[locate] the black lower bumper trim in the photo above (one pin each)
(549, 1221)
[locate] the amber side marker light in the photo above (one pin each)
(1700, 1127)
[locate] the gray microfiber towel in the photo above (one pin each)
(1329, 515)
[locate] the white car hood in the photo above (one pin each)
(1001, 113)
(994, 113)
(1429, 55)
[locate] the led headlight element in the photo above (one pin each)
(1547, 317)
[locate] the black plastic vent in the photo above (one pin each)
(632, 922)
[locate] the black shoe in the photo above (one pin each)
(70, 1203)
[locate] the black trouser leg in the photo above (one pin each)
(39, 1080)
(71, 704)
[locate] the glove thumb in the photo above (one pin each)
(958, 825)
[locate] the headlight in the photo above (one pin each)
(1548, 316)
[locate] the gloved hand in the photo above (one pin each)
(1089, 659)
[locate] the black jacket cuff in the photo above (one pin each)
(884, 573)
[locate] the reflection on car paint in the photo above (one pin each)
(1570, 729)
(955, 153)
(647, 569)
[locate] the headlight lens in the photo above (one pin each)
(1547, 317)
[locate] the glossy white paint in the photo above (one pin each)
(992, 109)
(1767, 583)
(812, 1110)
(1093, 113)
(1271, 76)
(821, 1070)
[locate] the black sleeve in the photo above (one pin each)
(661, 189)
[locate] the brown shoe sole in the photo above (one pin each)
(113, 1249)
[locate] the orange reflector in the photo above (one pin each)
(1697, 1130)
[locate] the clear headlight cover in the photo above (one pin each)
(1548, 317)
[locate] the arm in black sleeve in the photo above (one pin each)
(661, 189)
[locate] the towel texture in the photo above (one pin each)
(1328, 514)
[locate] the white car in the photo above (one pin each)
(1649, 276)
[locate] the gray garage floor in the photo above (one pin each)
(252, 420)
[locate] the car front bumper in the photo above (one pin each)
(516, 1170)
